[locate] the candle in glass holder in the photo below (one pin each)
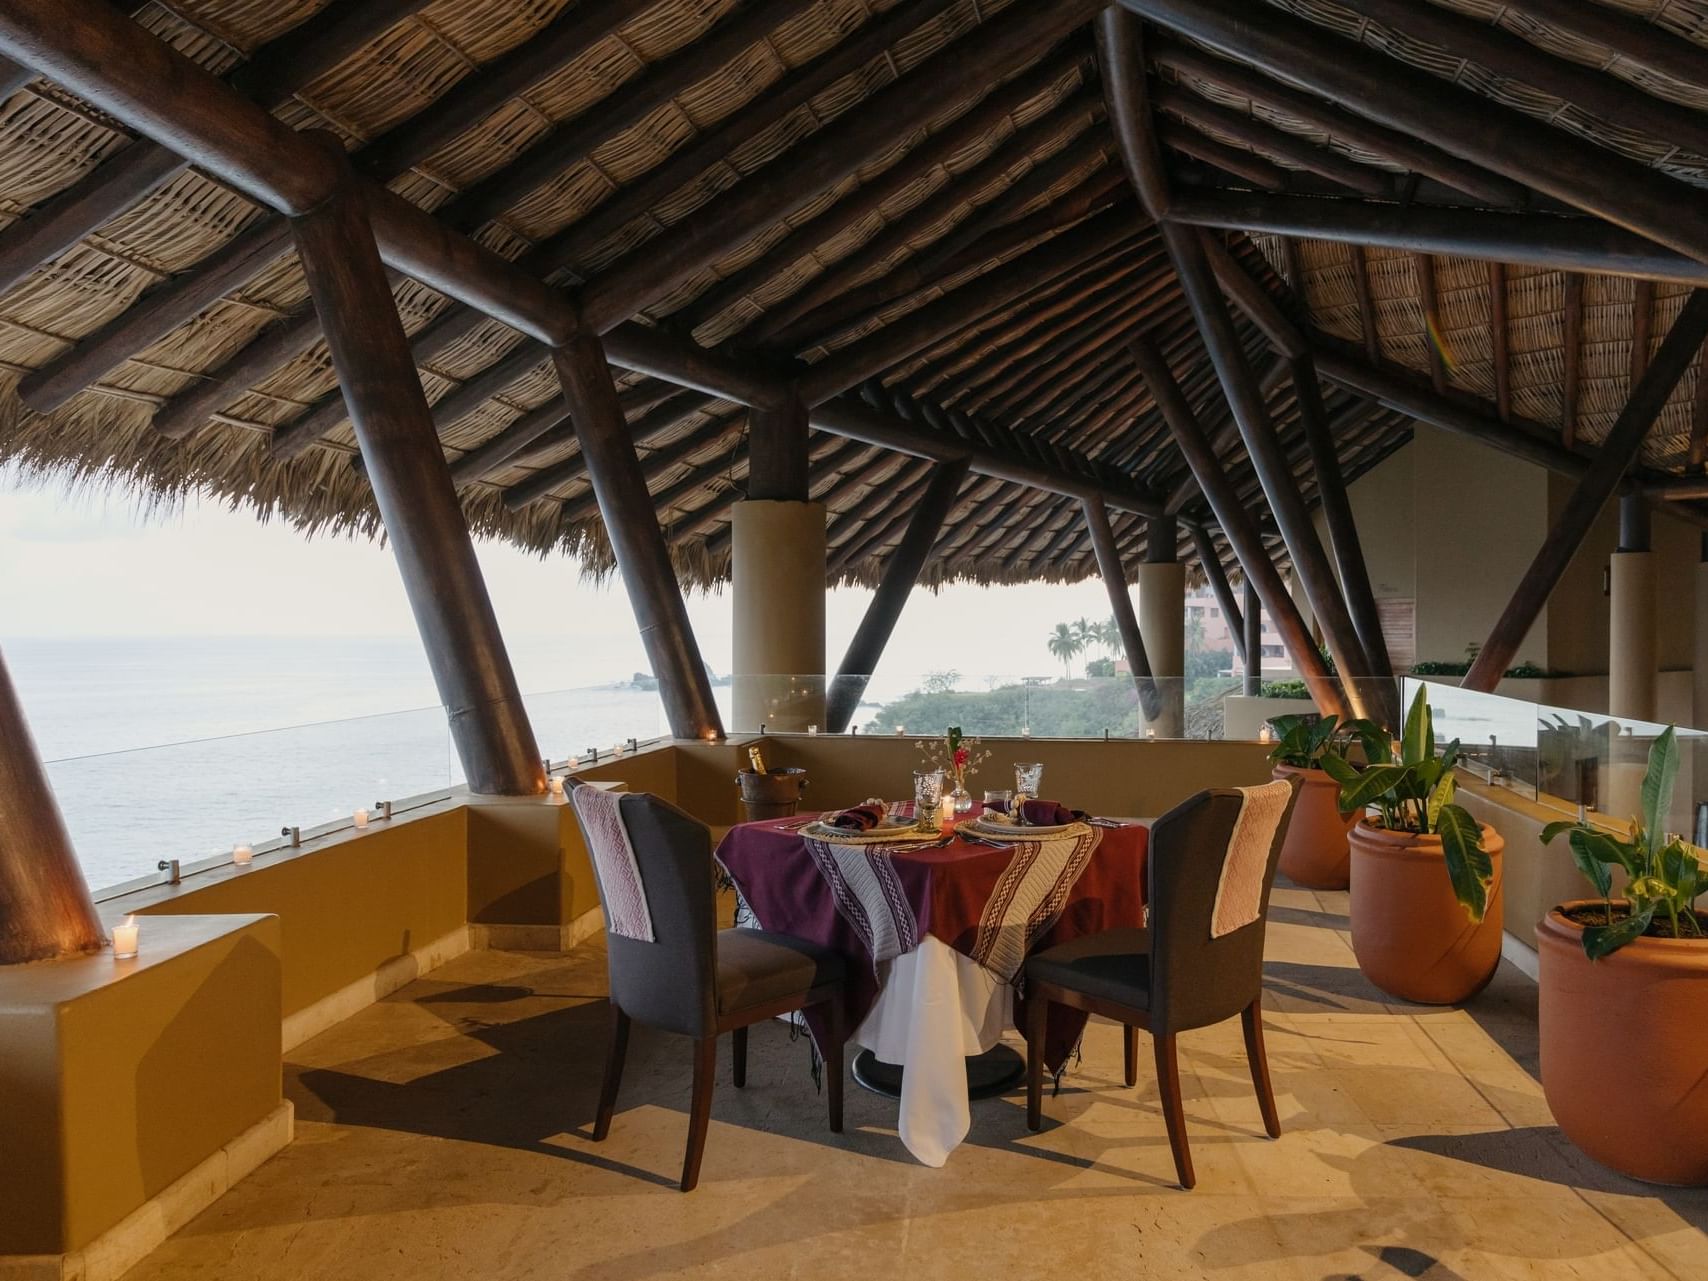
(555, 789)
(946, 809)
(1265, 735)
(243, 855)
(900, 730)
(361, 817)
(812, 729)
(124, 938)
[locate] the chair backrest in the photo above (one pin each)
(660, 934)
(1211, 866)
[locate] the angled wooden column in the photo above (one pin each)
(1161, 580)
(777, 579)
(900, 574)
(1632, 653)
(1151, 700)
(1120, 61)
(1237, 524)
(1617, 452)
(417, 502)
(637, 543)
(1217, 577)
(1252, 686)
(45, 908)
(1343, 537)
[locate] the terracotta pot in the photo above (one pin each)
(1624, 1048)
(1411, 936)
(1314, 852)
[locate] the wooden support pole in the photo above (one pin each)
(1239, 528)
(1500, 340)
(1253, 659)
(1461, 122)
(900, 574)
(1618, 451)
(1217, 577)
(45, 908)
(779, 446)
(1561, 243)
(643, 559)
(1571, 326)
(1343, 536)
(417, 501)
(1114, 576)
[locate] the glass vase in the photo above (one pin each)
(960, 795)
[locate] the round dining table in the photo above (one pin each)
(936, 933)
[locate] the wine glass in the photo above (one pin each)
(927, 797)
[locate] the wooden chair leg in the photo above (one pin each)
(1037, 1017)
(615, 1051)
(1168, 1082)
(1131, 1055)
(700, 1109)
(837, 1037)
(1252, 1019)
(738, 1047)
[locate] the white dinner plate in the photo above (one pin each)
(1014, 832)
(888, 830)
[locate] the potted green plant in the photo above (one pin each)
(1426, 877)
(1314, 850)
(1624, 993)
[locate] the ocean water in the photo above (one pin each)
(163, 748)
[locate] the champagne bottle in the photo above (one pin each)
(755, 759)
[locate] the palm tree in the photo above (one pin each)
(1064, 644)
(1109, 633)
(1085, 633)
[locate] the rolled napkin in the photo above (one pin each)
(858, 818)
(1039, 813)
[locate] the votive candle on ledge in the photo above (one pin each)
(124, 938)
(554, 788)
(1025, 731)
(900, 730)
(243, 855)
(812, 729)
(1265, 734)
(361, 817)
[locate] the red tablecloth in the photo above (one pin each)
(880, 900)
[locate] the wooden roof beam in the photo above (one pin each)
(1466, 124)
(1532, 239)
(991, 51)
(1398, 147)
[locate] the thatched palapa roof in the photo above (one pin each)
(155, 329)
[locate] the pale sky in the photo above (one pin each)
(98, 565)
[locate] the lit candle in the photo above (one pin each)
(812, 729)
(361, 817)
(1151, 732)
(1025, 731)
(946, 809)
(1265, 735)
(900, 730)
(555, 788)
(124, 938)
(243, 855)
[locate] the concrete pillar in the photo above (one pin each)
(777, 572)
(1699, 652)
(1162, 624)
(1632, 657)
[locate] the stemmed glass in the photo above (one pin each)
(927, 797)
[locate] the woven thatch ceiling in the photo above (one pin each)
(156, 328)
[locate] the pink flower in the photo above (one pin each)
(962, 756)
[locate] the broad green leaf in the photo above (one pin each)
(1657, 786)
(1469, 866)
(1367, 786)
(1595, 870)
(1377, 743)
(1646, 888)
(1556, 827)
(1440, 795)
(1606, 849)
(1450, 755)
(1603, 940)
(1340, 770)
(1414, 747)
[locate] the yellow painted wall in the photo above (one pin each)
(119, 1077)
(347, 905)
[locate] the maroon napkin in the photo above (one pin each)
(1047, 814)
(860, 818)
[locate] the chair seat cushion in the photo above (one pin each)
(756, 967)
(1113, 965)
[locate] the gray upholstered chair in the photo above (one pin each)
(1211, 865)
(672, 968)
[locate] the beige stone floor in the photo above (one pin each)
(444, 1134)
